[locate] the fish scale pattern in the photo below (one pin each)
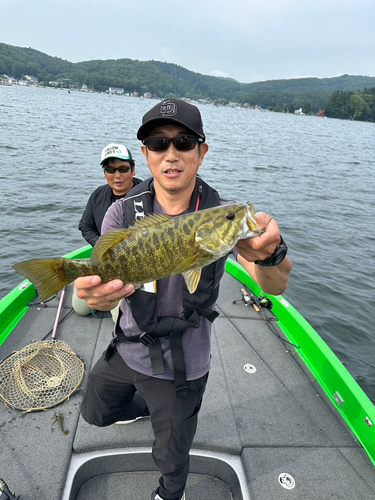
(155, 247)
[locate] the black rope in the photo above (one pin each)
(60, 321)
(42, 304)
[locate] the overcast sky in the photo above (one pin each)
(248, 40)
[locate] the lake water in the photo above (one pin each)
(315, 176)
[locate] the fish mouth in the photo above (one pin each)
(252, 226)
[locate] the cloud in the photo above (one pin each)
(250, 41)
(257, 78)
(298, 77)
(166, 52)
(220, 74)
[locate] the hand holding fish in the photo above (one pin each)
(102, 296)
(264, 245)
(273, 280)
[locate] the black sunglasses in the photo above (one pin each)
(160, 144)
(113, 170)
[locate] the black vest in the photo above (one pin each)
(137, 204)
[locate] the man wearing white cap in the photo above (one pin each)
(119, 171)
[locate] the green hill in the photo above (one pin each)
(166, 80)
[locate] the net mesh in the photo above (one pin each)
(40, 376)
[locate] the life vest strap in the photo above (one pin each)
(167, 327)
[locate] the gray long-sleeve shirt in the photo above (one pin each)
(196, 342)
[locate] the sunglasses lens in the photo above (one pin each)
(185, 143)
(113, 170)
(160, 144)
(157, 144)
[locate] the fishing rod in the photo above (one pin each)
(260, 303)
(58, 313)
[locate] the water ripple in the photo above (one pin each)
(315, 176)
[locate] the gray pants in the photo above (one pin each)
(116, 392)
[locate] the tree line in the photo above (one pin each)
(171, 80)
(359, 105)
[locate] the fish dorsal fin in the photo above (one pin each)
(149, 221)
(192, 279)
(107, 241)
(110, 239)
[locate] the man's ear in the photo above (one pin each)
(203, 151)
(144, 151)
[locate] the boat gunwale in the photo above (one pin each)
(352, 403)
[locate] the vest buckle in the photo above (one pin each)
(147, 339)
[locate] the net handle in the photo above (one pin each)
(58, 313)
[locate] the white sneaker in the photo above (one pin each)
(146, 414)
(155, 496)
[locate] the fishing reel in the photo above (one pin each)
(257, 302)
(5, 494)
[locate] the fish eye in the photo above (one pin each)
(230, 216)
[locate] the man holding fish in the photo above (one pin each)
(174, 147)
(158, 361)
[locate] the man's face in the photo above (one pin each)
(120, 183)
(174, 171)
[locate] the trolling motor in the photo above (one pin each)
(257, 302)
(5, 494)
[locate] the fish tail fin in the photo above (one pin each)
(47, 275)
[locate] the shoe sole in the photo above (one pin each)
(126, 422)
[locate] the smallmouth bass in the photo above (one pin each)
(153, 248)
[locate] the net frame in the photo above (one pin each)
(42, 375)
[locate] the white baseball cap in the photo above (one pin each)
(116, 151)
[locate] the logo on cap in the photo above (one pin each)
(168, 108)
(111, 150)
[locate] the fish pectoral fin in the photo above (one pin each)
(107, 241)
(186, 264)
(192, 279)
(193, 276)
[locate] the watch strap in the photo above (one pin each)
(277, 257)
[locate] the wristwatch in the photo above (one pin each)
(277, 257)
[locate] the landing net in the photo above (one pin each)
(40, 376)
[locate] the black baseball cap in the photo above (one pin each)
(172, 111)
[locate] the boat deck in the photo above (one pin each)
(255, 424)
